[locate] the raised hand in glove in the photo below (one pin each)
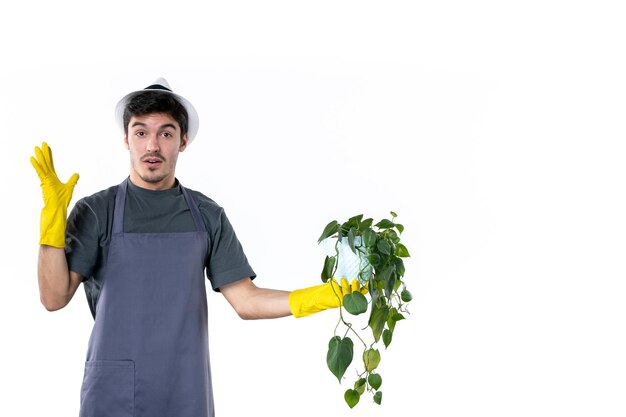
(56, 198)
(306, 301)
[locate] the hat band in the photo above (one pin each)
(157, 87)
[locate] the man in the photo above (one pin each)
(141, 249)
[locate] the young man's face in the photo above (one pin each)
(154, 142)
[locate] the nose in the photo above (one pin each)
(152, 144)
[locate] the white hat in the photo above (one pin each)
(161, 85)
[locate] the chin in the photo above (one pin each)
(153, 180)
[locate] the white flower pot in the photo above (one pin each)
(349, 265)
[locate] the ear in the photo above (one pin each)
(183, 143)
(126, 141)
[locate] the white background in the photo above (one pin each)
(494, 129)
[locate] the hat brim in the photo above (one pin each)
(193, 122)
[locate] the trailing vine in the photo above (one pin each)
(381, 268)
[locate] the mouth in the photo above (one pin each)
(152, 162)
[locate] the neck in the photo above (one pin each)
(165, 184)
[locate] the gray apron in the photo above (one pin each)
(148, 352)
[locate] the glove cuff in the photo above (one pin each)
(52, 227)
(306, 301)
(297, 299)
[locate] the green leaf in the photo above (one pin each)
(392, 236)
(354, 221)
(393, 318)
(352, 397)
(365, 225)
(373, 291)
(377, 320)
(406, 296)
(351, 235)
(375, 380)
(382, 275)
(384, 247)
(386, 279)
(393, 214)
(387, 336)
(355, 303)
(390, 286)
(400, 228)
(373, 259)
(329, 268)
(371, 359)
(369, 238)
(380, 284)
(398, 316)
(378, 397)
(339, 356)
(399, 263)
(359, 386)
(385, 224)
(391, 323)
(402, 251)
(330, 229)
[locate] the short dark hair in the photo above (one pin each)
(148, 102)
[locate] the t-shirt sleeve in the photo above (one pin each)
(82, 239)
(227, 261)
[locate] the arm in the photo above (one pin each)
(57, 285)
(251, 302)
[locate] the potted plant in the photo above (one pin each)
(373, 254)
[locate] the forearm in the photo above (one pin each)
(251, 302)
(267, 303)
(56, 284)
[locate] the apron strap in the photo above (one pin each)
(118, 213)
(195, 211)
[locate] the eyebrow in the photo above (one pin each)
(167, 125)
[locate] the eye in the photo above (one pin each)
(167, 134)
(140, 133)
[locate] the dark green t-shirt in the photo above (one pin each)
(90, 222)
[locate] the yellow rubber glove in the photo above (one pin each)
(307, 301)
(56, 198)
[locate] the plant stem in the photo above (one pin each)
(350, 328)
